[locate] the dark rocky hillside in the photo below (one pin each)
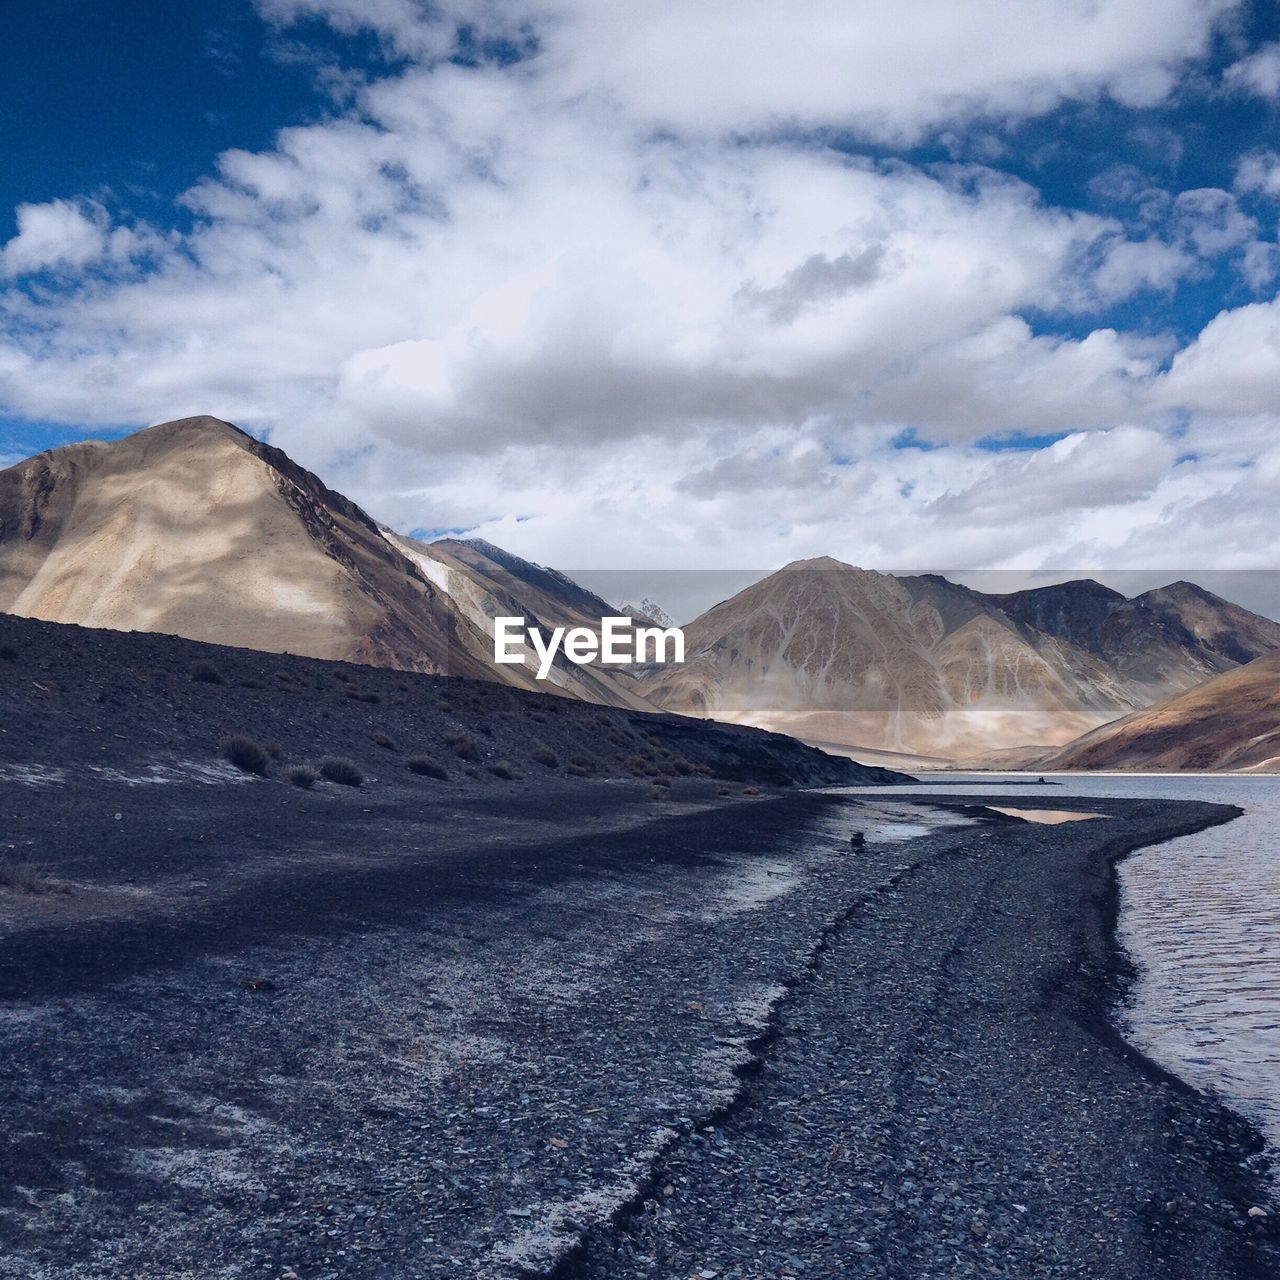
(75, 698)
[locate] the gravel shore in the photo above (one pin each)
(567, 1035)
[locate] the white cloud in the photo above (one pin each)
(1232, 370)
(744, 65)
(1259, 171)
(498, 297)
(61, 234)
(1258, 74)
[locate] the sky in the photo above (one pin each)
(696, 285)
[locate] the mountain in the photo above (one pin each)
(648, 613)
(1162, 641)
(1229, 722)
(921, 665)
(196, 529)
(484, 582)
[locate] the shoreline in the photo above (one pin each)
(1250, 1252)
(385, 1064)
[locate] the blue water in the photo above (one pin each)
(1200, 916)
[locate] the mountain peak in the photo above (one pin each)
(824, 563)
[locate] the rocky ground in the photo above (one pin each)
(551, 1025)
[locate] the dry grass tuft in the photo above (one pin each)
(27, 877)
(425, 767)
(246, 754)
(302, 775)
(463, 746)
(342, 771)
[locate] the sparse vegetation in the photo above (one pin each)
(359, 695)
(274, 750)
(503, 769)
(385, 741)
(342, 771)
(302, 775)
(204, 672)
(463, 745)
(246, 754)
(425, 767)
(26, 877)
(544, 756)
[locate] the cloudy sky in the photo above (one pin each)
(691, 283)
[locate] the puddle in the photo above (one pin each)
(1048, 817)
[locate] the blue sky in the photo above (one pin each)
(984, 285)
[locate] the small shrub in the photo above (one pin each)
(463, 746)
(8, 653)
(502, 769)
(23, 877)
(206, 673)
(302, 775)
(662, 782)
(274, 750)
(386, 742)
(750, 791)
(724, 791)
(583, 762)
(342, 771)
(425, 767)
(245, 754)
(359, 695)
(544, 755)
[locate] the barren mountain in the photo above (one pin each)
(195, 528)
(921, 665)
(1229, 722)
(484, 582)
(1160, 642)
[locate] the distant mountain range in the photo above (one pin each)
(195, 528)
(923, 666)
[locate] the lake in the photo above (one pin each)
(1200, 916)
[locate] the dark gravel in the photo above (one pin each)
(499, 1027)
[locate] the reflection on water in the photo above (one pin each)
(1201, 917)
(886, 821)
(1046, 817)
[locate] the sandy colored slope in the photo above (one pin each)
(483, 582)
(194, 528)
(843, 655)
(1229, 722)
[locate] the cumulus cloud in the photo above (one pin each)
(716, 66)
(1259, 171)
(1258, 74)
(1232, 369)
(62, 234)
(584, 279)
